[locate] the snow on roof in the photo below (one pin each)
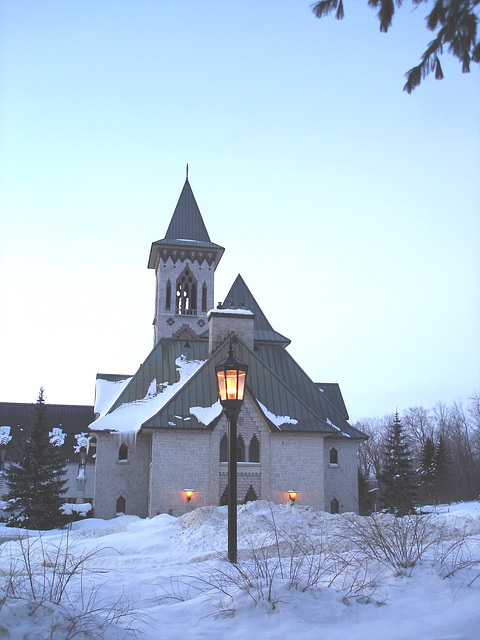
(277, 420)
(129, 417)
(106, 392)
(226, 312)
(206, 415)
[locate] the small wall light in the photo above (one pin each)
(292, 495)
(189, 493)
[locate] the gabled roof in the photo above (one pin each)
(240, 297)
(289, 400)
(186, 229)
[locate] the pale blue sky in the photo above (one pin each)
(350, 208)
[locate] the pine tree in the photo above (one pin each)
(427, 472)
(397, 476)
(36, 480)
(442, 471)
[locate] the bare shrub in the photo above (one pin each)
(52, 581)
(397, 543)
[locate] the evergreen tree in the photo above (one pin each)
(427, 472)
(442, 471)
(36, 480)
(365, 500)
(397, 476)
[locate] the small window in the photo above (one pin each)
(121, 505)
(168, 296)
(204, 297)
(334, 506)
(123, 452)
(254, 450)
(333, 457)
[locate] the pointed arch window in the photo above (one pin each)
(123, 452)
(333, 456)
(224, 448)
(240, 449)
(186, 294)
(334, 506)
(204, 297)
(254, 450)
(168, 296)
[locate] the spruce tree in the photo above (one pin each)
(442, 471)
(397, 476)
(36, 480)
(427, 472)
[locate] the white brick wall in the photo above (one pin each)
(341, 480)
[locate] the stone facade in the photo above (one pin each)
(116, 478)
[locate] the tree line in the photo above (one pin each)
(426, 456)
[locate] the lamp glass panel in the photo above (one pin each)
(241, 384)
(222, 388)
(231, 384)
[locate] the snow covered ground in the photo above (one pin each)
(173, 572)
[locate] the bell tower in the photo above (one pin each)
(184, 262)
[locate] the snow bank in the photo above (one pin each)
(174, 572)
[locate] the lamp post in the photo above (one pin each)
(231, 376)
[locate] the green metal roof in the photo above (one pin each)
(187, 222)
(263, 385)
(240, 297)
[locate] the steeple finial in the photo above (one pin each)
(186, 173)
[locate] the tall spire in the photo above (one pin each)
(187, 222)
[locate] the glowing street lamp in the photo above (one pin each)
(231, 377)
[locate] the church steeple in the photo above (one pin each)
(187, 221)
(184, 262)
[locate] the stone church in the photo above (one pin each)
(160, 435)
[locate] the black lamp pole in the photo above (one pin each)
(232, 415)
(231, 376)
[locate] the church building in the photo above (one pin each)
(161, 436)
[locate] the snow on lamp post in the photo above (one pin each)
(231, 376)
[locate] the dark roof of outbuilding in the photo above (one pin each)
(240, 297)
(72, 419)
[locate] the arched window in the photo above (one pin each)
(240, 449)
(254, 450)
(186, 294)
(334, 506)
(121, 505)
(204, 297)
(168, 296)
(250, 496)
(224, 448)
(333, 456)
(123, 452)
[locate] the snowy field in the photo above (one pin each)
(302, 574)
